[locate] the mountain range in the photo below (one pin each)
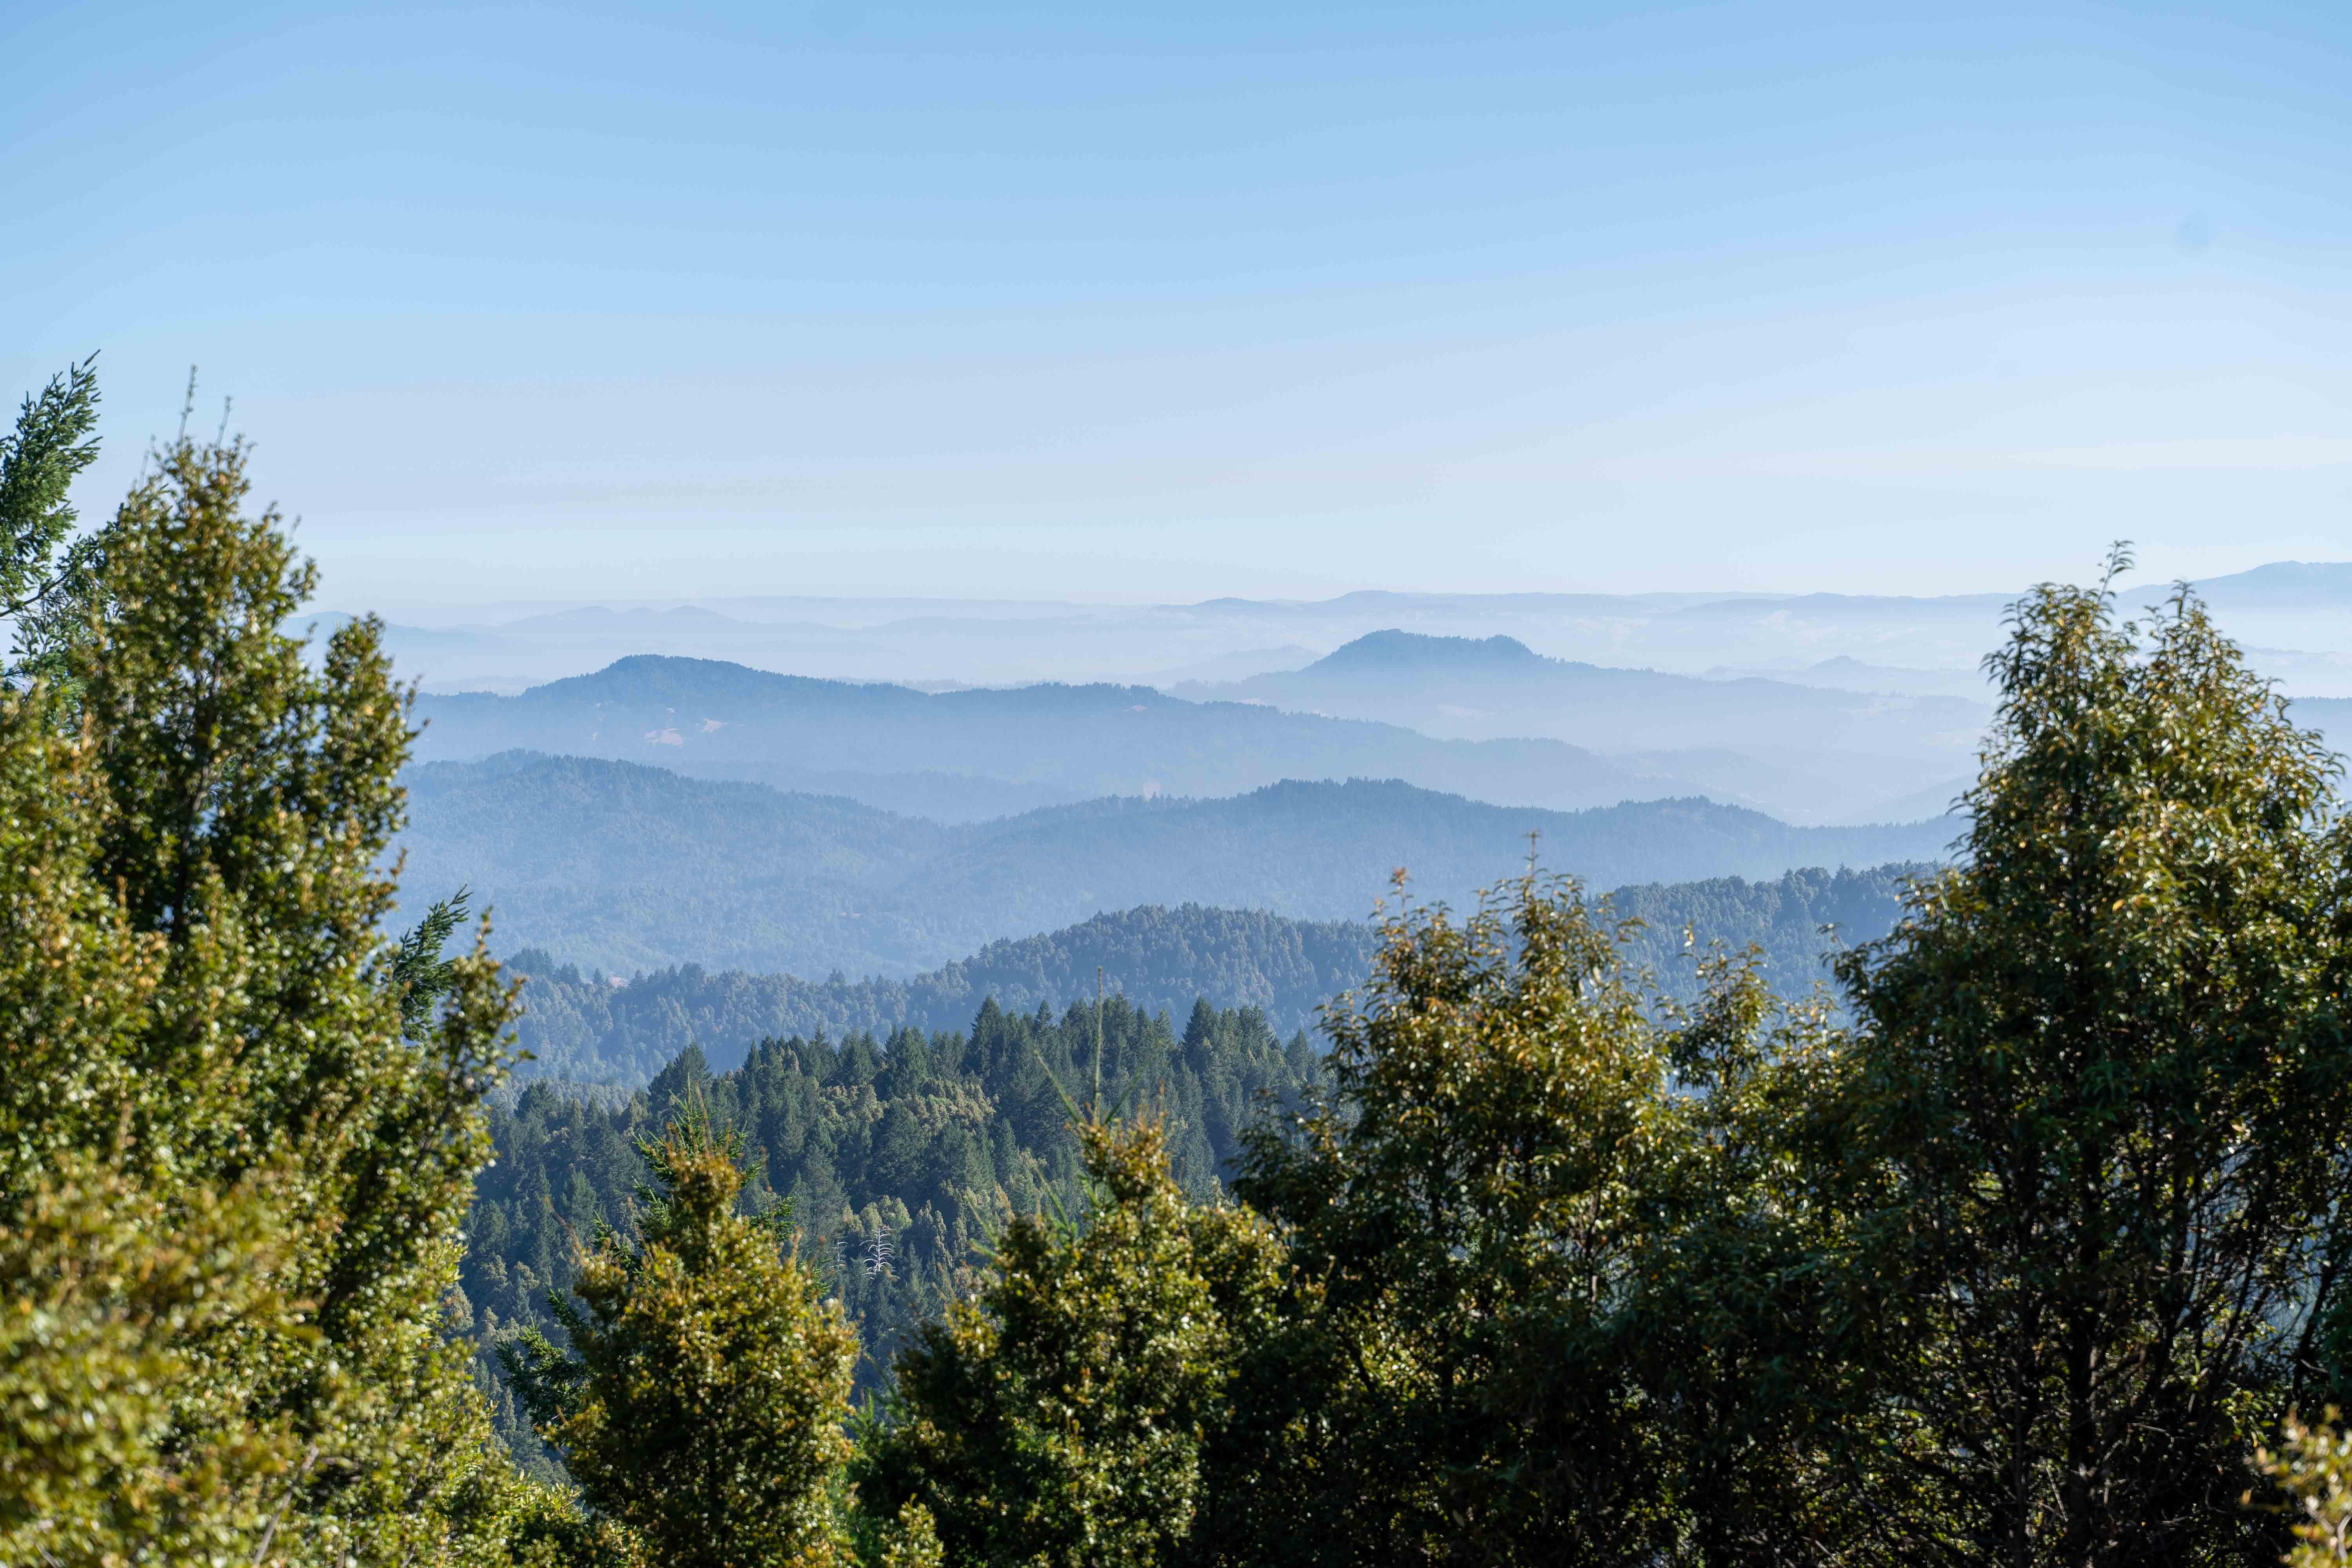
(629, 866)
(967, 755)
(972, 754)
(1811, 750)
(2292, 614)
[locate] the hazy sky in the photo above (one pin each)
(838, 297)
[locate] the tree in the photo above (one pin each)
(230, 1179)
(704, 1408)
(1069, 1413)
(2093, 1251)
(39, 461)
(49, 578)
(2313, 1466)
(420, 974)
(1475, 1209)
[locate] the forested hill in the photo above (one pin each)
(580, 1026)
(1033, 745)
(901, 1155)
(628, 867)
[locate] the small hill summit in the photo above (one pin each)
(1401, 652)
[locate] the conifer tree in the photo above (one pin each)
(230, 1179)
(1070, 1411)
(703, 1409)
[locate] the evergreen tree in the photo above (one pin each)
(230, 1180)
(2098, 1111)
(40, 563)
(1064, 1414)
(922, 1146)
(704, 1408)
(1475, 1209)
(2313, 1467)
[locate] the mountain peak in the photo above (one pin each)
(1403, 651)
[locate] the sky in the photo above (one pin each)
(1163, 303)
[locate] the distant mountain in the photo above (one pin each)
(2285, 606)
(1415, 656)
(581, 1026)
(1324, 851)
(1479, 689)
(714, 718)
(627, 867)
(2281, 585)
(1831, 755)
(1850, 674)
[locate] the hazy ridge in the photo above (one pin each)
(627, 867)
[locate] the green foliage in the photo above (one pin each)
(712, 1385)
(1477, 1210)
(902, 1158)
(2006, 1266)
(1447, 1343)
(2313, 1466)
(420, 974)
(57, 586)
(2098, 1097)
(38, 460)
(230, 1180)
(117, 1440)
(580, 1026)
(1060, 1415)
(910, 1541)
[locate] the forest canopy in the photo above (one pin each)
(582, 1026)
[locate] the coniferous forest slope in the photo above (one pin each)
(902, 1152)
(625, 866)
(580, 1026)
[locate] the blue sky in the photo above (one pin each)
(1168, 303)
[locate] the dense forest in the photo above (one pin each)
(901, 1156)
(2030, 1252)
(583, 1027)
(622, 867)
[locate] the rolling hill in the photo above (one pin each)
(629, 867)
(1820, 752)
(967, 755)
